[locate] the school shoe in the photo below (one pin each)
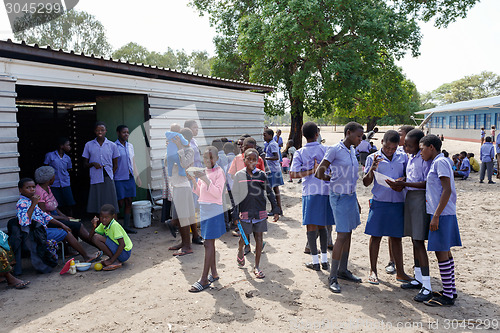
(325, 266)
(312, 266)
(481, 182)
(440, 293)
(198, 240)
(422, 296)
(491, 182)
(440, 301)
(307, 250)
(413, 284)
(347, 275)
(334, 285)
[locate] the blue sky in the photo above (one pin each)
(466, 47)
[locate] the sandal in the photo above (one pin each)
(181, 253)
(212, 279)
(112, 267)
(241, 261)
(258, 273)
(373, 279)
(20, 285)
(197, 287)
(97, 256)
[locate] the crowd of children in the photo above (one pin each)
(228, 183)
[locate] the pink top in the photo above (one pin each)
(213, 192)
(492, 132)
(286, 162)
(47, 198)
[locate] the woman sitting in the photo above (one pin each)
(6, 263)
(45, 176)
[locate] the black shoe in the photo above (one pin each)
(307, 250)
(290, 181)
(312, 266)
(270, 214)
(491, 182)
(198, 240)
(390, 268)
(173, 230)
(325, 266)
(334, 285)
(422, 297)
(347, 275)
(300, 181)
(412, 285)
(440, 301)
(481, 182)
(440, 293)
(129, 231)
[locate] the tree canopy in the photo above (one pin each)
(73, 31)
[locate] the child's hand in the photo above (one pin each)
(316, 165)
(96, 165)
(434, 223)
(35, 199)
(276, 217)
(376, 161)
(95, 221)
(106, 262)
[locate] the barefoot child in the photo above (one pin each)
(210, 188)
(416, 219)
(441, 200)
(342, 164)
(316, 210)
(386, 209)
(111, 238)
(249, 187)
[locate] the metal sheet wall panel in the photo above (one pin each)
(9, 168)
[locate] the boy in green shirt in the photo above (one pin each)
(111, 238)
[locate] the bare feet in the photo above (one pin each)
(175, 247)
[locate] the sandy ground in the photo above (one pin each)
(150, 293)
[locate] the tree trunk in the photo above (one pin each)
(297, 116)
(370, 125)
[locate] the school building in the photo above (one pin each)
(464, 120)
(46, 94)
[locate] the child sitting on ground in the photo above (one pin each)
(464, 169)
(249, 187)
(110, 237)
(474, 164)
(172, 157)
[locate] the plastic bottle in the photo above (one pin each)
(72, 267)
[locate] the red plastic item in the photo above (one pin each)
(65, 269)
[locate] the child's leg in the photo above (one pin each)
(258, 247)
(213, 266)
(186, 241)
(73, 242)
(323, 243)
(342, 238)
(276, 190)
(207, 264)
(312, 233)
(100, 242)
(241, 255)
(126, 215)
(374, 247)
(447, 270)
(344, 258)
(452, 262)
(397, 251)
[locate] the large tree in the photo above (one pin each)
(322, 55)
(73, 31)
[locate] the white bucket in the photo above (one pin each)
(142, 213)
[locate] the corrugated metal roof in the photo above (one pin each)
(488, 102)
(23, 51)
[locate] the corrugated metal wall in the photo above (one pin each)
(219, 113)
(9, 169)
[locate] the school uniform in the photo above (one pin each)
(316, 207)
(364, 150)
(416, 219)
(62, 184)
(386, 216)
(487, 157)
(448, 234)
(102, 186)
(275, 178)
(343, 172)
(124, 174)
(464, 170)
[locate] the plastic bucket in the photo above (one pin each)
(142, 213)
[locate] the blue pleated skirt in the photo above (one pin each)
(385, 219)
(446, 236)
(125, 188)
(316, 210)
(345, 211)
(212, 221)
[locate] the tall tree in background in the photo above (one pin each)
(322, 55)
(73, 31)
(485, 84)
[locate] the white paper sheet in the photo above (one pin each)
(380, 178)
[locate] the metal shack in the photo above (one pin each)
(46, 94)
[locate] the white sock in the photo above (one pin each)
(426, 281)
(324, 257)
(418, 274)
(315, 259)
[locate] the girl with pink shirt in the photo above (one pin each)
(210, 188)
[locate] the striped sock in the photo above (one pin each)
(453, 275)
(446, 271)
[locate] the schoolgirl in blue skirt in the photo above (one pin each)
(316, 210)
(386, 216)
(441, 198)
